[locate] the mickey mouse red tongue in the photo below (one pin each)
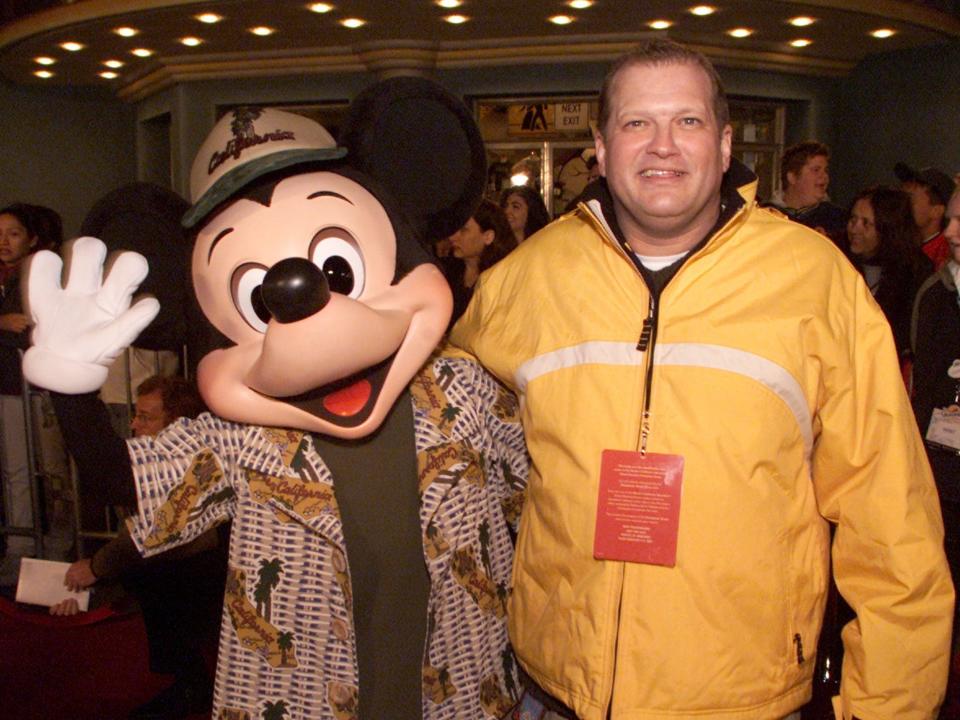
(350, 400)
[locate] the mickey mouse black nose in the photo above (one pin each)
(294, 289)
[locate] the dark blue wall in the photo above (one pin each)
(64, 148)
(898, 106)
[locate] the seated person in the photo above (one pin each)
(179, 592)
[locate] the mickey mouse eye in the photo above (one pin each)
(337, 254)
(247, 284)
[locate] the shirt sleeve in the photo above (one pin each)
(182, 487)
(873, 481)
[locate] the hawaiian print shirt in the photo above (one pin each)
(287, 645)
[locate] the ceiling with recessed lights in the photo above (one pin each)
(138, 47)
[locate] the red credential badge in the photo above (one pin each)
(638, 510)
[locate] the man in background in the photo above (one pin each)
(179, 592)
(805, 178)
(930, 190)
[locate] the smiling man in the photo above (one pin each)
(805, 177)
(705, 387)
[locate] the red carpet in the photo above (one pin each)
(92, 666)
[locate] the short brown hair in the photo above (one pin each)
(796, 156)
(663, 52)
(180, 397)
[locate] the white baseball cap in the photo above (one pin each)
(247, 143)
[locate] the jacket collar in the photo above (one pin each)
(739, 187)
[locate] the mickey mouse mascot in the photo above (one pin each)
(372, 484)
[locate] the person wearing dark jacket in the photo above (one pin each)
(883, 246)
(935, 338)
(19, 236)
(179, 592)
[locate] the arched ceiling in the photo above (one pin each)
(413, 34)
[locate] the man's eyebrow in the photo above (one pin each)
(218, 238)
(328, 193)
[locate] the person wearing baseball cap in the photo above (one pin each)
(930, 190)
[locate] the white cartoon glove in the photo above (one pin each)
(81, 328)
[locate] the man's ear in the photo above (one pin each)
(422, 145)
(601, 151)
(791, 178)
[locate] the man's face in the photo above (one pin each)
(926, 213)
(809, 185)
(663, 155)
(952, 231)
(150, 417)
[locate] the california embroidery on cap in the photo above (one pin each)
(245, 136)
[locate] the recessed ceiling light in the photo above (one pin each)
(802, 21)
(262, 30)
(580, 4)
(44, 60)
(353, 23)
(800, 42)
(209, 18)
(659, 24)
(190, 41)
(703, 10)
(72, 46)
(740, 32)
(126, 31)
(560, 19)
(45, 74)
(113, 63)
(108, 75)
(449, 4)
(141, 52)
(883, 33)
(456, 19)
(320, 7)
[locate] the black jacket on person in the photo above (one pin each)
(10, 342)
(935, 336)
(895, 295)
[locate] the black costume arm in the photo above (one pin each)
(100, 454)
(116, 556)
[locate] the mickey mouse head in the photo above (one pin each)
(310, 257)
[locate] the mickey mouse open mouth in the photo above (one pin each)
(346, 402)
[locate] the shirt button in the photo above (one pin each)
(339, 561)
(341, 630)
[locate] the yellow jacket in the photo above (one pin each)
(775, 377)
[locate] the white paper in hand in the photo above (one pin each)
(41, 583)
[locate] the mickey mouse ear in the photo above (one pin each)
(421, 144)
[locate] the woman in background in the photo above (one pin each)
(22, 230)
(525, 211)
(483, 241)
(884, 245)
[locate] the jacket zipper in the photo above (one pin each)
(646, 344)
